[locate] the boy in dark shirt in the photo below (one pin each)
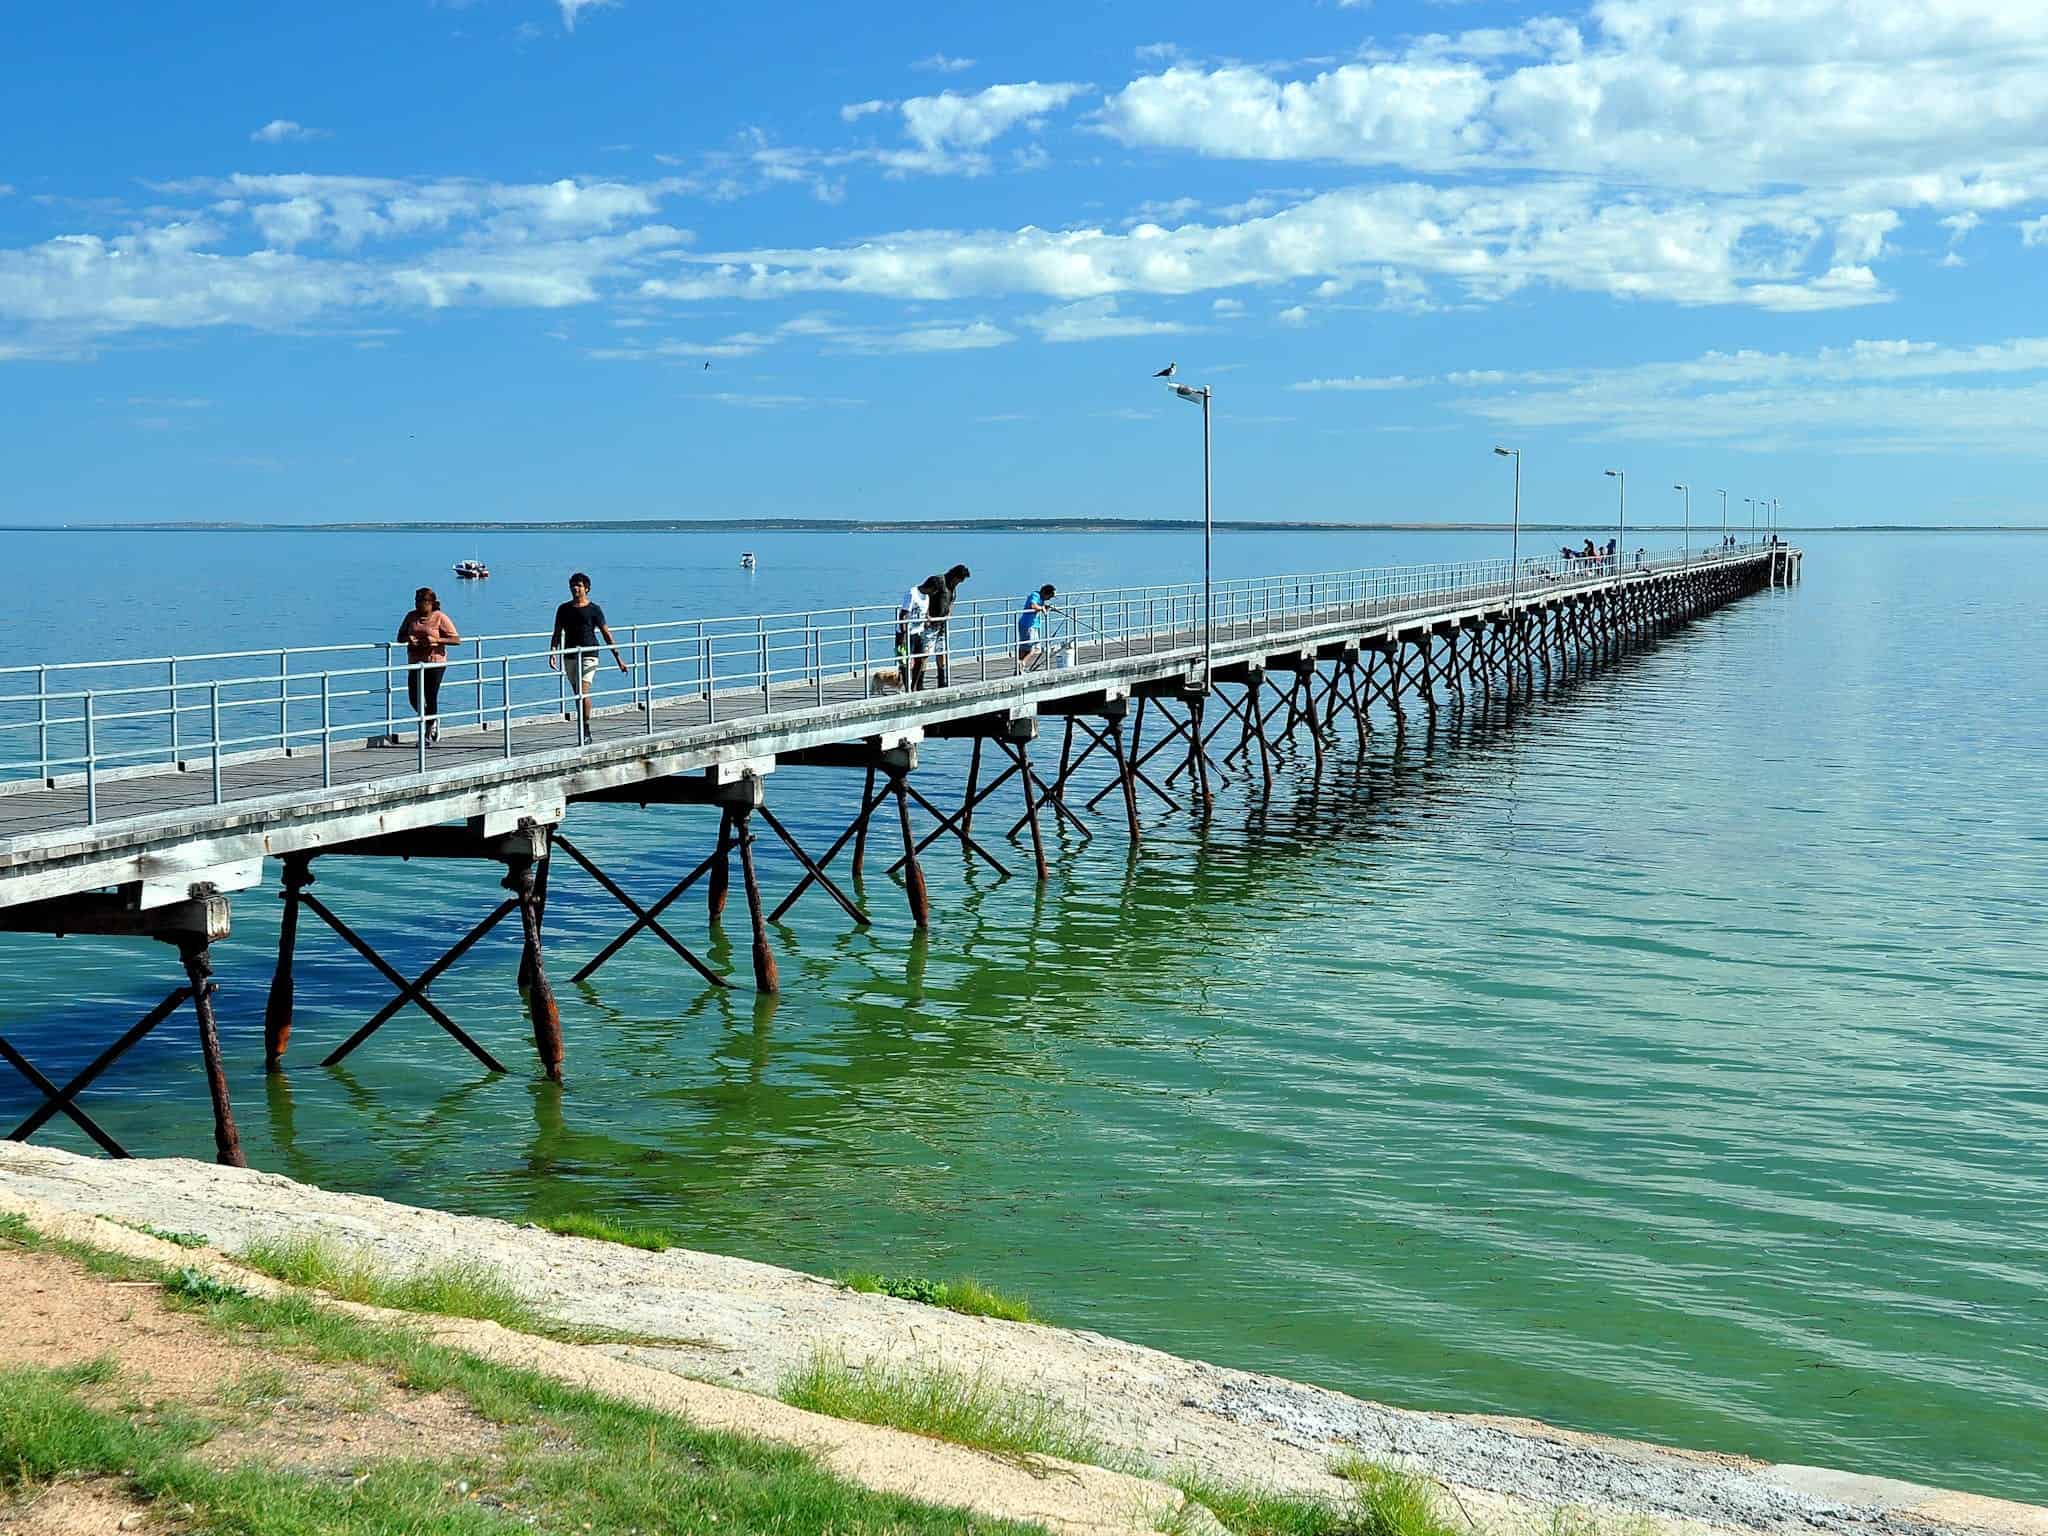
(578, 624)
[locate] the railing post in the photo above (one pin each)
(704, 661)
(647, 674)
(173, 674)
(767, 694)
(505, 702)
(817, 666)
(390, 719)
(43, 719)
(92, 765)
(481, 723)
(326, 734)
(710, 683)
(284, 702)
(213, 709)
(420, 738)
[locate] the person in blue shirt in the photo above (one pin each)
(1029, 621)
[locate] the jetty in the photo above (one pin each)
(138, 797)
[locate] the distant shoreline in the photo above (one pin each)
(953, 525)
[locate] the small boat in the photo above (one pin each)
(472, 570)
(747, 560)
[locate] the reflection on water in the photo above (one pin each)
(1660, 1058)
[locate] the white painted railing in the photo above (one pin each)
(82, 723)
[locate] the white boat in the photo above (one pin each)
(747, 560)
(472, 570)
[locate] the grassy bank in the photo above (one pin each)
(566, 1459)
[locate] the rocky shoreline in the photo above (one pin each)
(748, 1325)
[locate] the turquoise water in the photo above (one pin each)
(1669, 1061)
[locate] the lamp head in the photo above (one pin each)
(1611, 473)
(1503, 452)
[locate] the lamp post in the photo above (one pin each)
(1200, 396)
(1724, 517)
(1621, 522)
(1752, 500)
(1688, 519)
(1774, 519)
(1515, 538)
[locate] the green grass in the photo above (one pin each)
(1382, 1501)
(14, 1228)
(197, 1285)
(603, 1230)
(575, 1461)
(460, 1288)
(968, 1296)
(182, 1239)
(968, 1410)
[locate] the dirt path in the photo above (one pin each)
(747, 1325)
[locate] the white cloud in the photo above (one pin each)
(825, 331)
(1873, 396)
(2034, 231)
(276, 252)
(571, 9)
(282, 130)
(782, 402)
(1488, 242)
(1847, 114)
(1730, 97)
(939, 64)
(1228, 306)
(1361, 384)
(951, 120)
(1097, 320)
(948, 134)
(1295, 315)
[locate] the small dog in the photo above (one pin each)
(888, 680)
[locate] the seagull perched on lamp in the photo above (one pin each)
(1167, 372)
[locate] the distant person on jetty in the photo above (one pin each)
(941, 592)
(911, 614)
(1030, 619)
(426, 632)
(1589, 552)
(573, 643)
(1613, 549)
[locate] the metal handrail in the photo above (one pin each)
(760, 663)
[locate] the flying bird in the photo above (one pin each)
(707, 367)
(1167, 372)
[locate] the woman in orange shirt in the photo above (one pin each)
(427, 633)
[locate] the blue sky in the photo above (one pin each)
(468, 258)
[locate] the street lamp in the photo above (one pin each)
(1200, 396)
(1621, 523)
(1514, 539)
(1724, 517)
(1688, 518)
(1750, 502)
(1774, 519)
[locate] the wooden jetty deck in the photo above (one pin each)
(173, 805)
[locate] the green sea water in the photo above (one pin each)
(1668, 1060)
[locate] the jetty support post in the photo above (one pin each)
(1160, 697)
(1110, 706)
(1011, 732)
(520, 840)
(277, 1007)
(892, 756)
(721, 787)
(192, 926)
